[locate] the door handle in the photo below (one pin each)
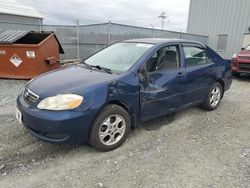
(211, 68)
(180, 74)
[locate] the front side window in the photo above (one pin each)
(119, 57)
(194, 56)
(165, 58)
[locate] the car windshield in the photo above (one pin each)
(119, 57)
(248, 48)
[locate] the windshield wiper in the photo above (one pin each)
(102, 68)
(86, 65)
(96, 66)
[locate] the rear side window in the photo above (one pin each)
(194, 56)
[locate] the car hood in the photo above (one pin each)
(73, 79)
(244, 53)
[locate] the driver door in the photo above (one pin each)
(162, 83)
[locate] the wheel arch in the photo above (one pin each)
(127, 108)
(222, 83)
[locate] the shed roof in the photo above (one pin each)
(13, 8)
(10, 36)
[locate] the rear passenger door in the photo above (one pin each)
(200, 73)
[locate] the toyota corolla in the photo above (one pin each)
(101, 99)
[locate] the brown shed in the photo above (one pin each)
(25, 54)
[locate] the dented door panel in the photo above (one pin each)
(162, 92)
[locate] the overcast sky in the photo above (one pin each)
(133, 12)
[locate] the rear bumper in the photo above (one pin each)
(56, 126)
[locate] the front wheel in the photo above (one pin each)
(214, 97)
(110, 128)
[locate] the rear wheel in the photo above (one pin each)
(110, 128)
(214, 97)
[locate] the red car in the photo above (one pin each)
(241, 62)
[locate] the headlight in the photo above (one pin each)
(234, 56)
(61, 102)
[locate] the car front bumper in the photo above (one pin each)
(56, 126)
(240, 66)
(241, 71)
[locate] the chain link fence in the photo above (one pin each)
(92, 38)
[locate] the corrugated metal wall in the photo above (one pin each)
(97, 36)
(19, 19)
(14, 22)
(122, 32)
(18, 26)
(214, 17)
(67, 38)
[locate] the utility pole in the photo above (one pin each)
(40, 24)
(109, 32)
(163, 17)
(153, 35)
(77, 39)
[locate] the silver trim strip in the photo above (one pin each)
(37, 96)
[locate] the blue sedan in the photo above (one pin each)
(101, 99)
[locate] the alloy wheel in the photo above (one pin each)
(112, 130)
(215, 96)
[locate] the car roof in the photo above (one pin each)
(162, 41)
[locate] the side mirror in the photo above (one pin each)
(143, 73)
(242, 48)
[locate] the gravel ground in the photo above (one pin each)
(192, 148)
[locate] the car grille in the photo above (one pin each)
(245, 66)
(245, 57)
(29, 96)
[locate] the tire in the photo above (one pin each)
(216, 92)
(110, 129)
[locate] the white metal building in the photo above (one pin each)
(11, 14)
(225, 22)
